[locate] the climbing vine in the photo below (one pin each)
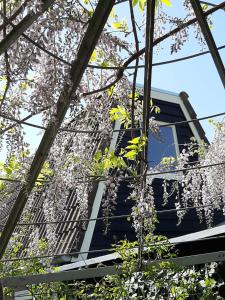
(33, 72)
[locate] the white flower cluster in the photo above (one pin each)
(143, 212)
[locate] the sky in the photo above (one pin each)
(198, 77)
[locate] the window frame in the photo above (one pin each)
(172, 175)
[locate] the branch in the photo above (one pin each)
(7, 66)
(169, 34)
(136, 65)
(84, 53)
(136, 55)
(106, 87)
(37, 44)
(16, 13)
(23, 25)
(23, 121)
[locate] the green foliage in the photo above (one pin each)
(197, 148)
(136, 96)
(11, 168)
(120, 113)
(135, 147)
(106, 160)
(166, 2)
(23, 86)
(120, 25)
(154, 108)
(161, 279)
(204, 6)
(216, 124)
(142, 3)
(98, 57)
(168, 161)
(45, 173)
(8, 169)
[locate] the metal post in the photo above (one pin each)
(150, 16)
(209, 39)
(1, 292)
(85, 50)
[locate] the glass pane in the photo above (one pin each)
(161, 146)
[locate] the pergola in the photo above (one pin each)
(78, 67)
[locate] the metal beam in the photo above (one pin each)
(84, 53)
(21, 281)
(148, 73)
(22, 26)
(149, 35)
(209, 38)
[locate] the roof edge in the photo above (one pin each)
(139, 85)
(185, 99)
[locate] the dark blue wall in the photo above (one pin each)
(121, 228)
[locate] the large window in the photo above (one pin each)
(161, 146)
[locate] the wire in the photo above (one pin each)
(18, 180)
(117, 130)
(157, 63)
(112, 67)
(128, 178)
(9, 179)
(208, 3)
(159, 212)
(157, 244)
(193, 120)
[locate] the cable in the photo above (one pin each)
(118, 130)
(9, 179)
(193, 120)
(157, 63)
(208, 3)
(157, 244)
(126, 178)
(159, 212)
(112, 67)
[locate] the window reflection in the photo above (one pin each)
(161, 146)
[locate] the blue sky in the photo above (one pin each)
(198, 77)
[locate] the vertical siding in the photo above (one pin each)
(121, 228)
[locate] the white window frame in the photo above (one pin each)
(172, 175)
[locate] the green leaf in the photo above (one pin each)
(142, 4)
(23, 85)
(131, 154)
(116, 25)
(134, 147)
(204, 6)
(134, 141)
(134, 2)
(93, 56)
(8, 171)
(157, 110)
(167, 2)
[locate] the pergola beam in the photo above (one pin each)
(209, 38)
(84, 53)
(22, 26)
(149, 35)
(87, 273)
(148, 72)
